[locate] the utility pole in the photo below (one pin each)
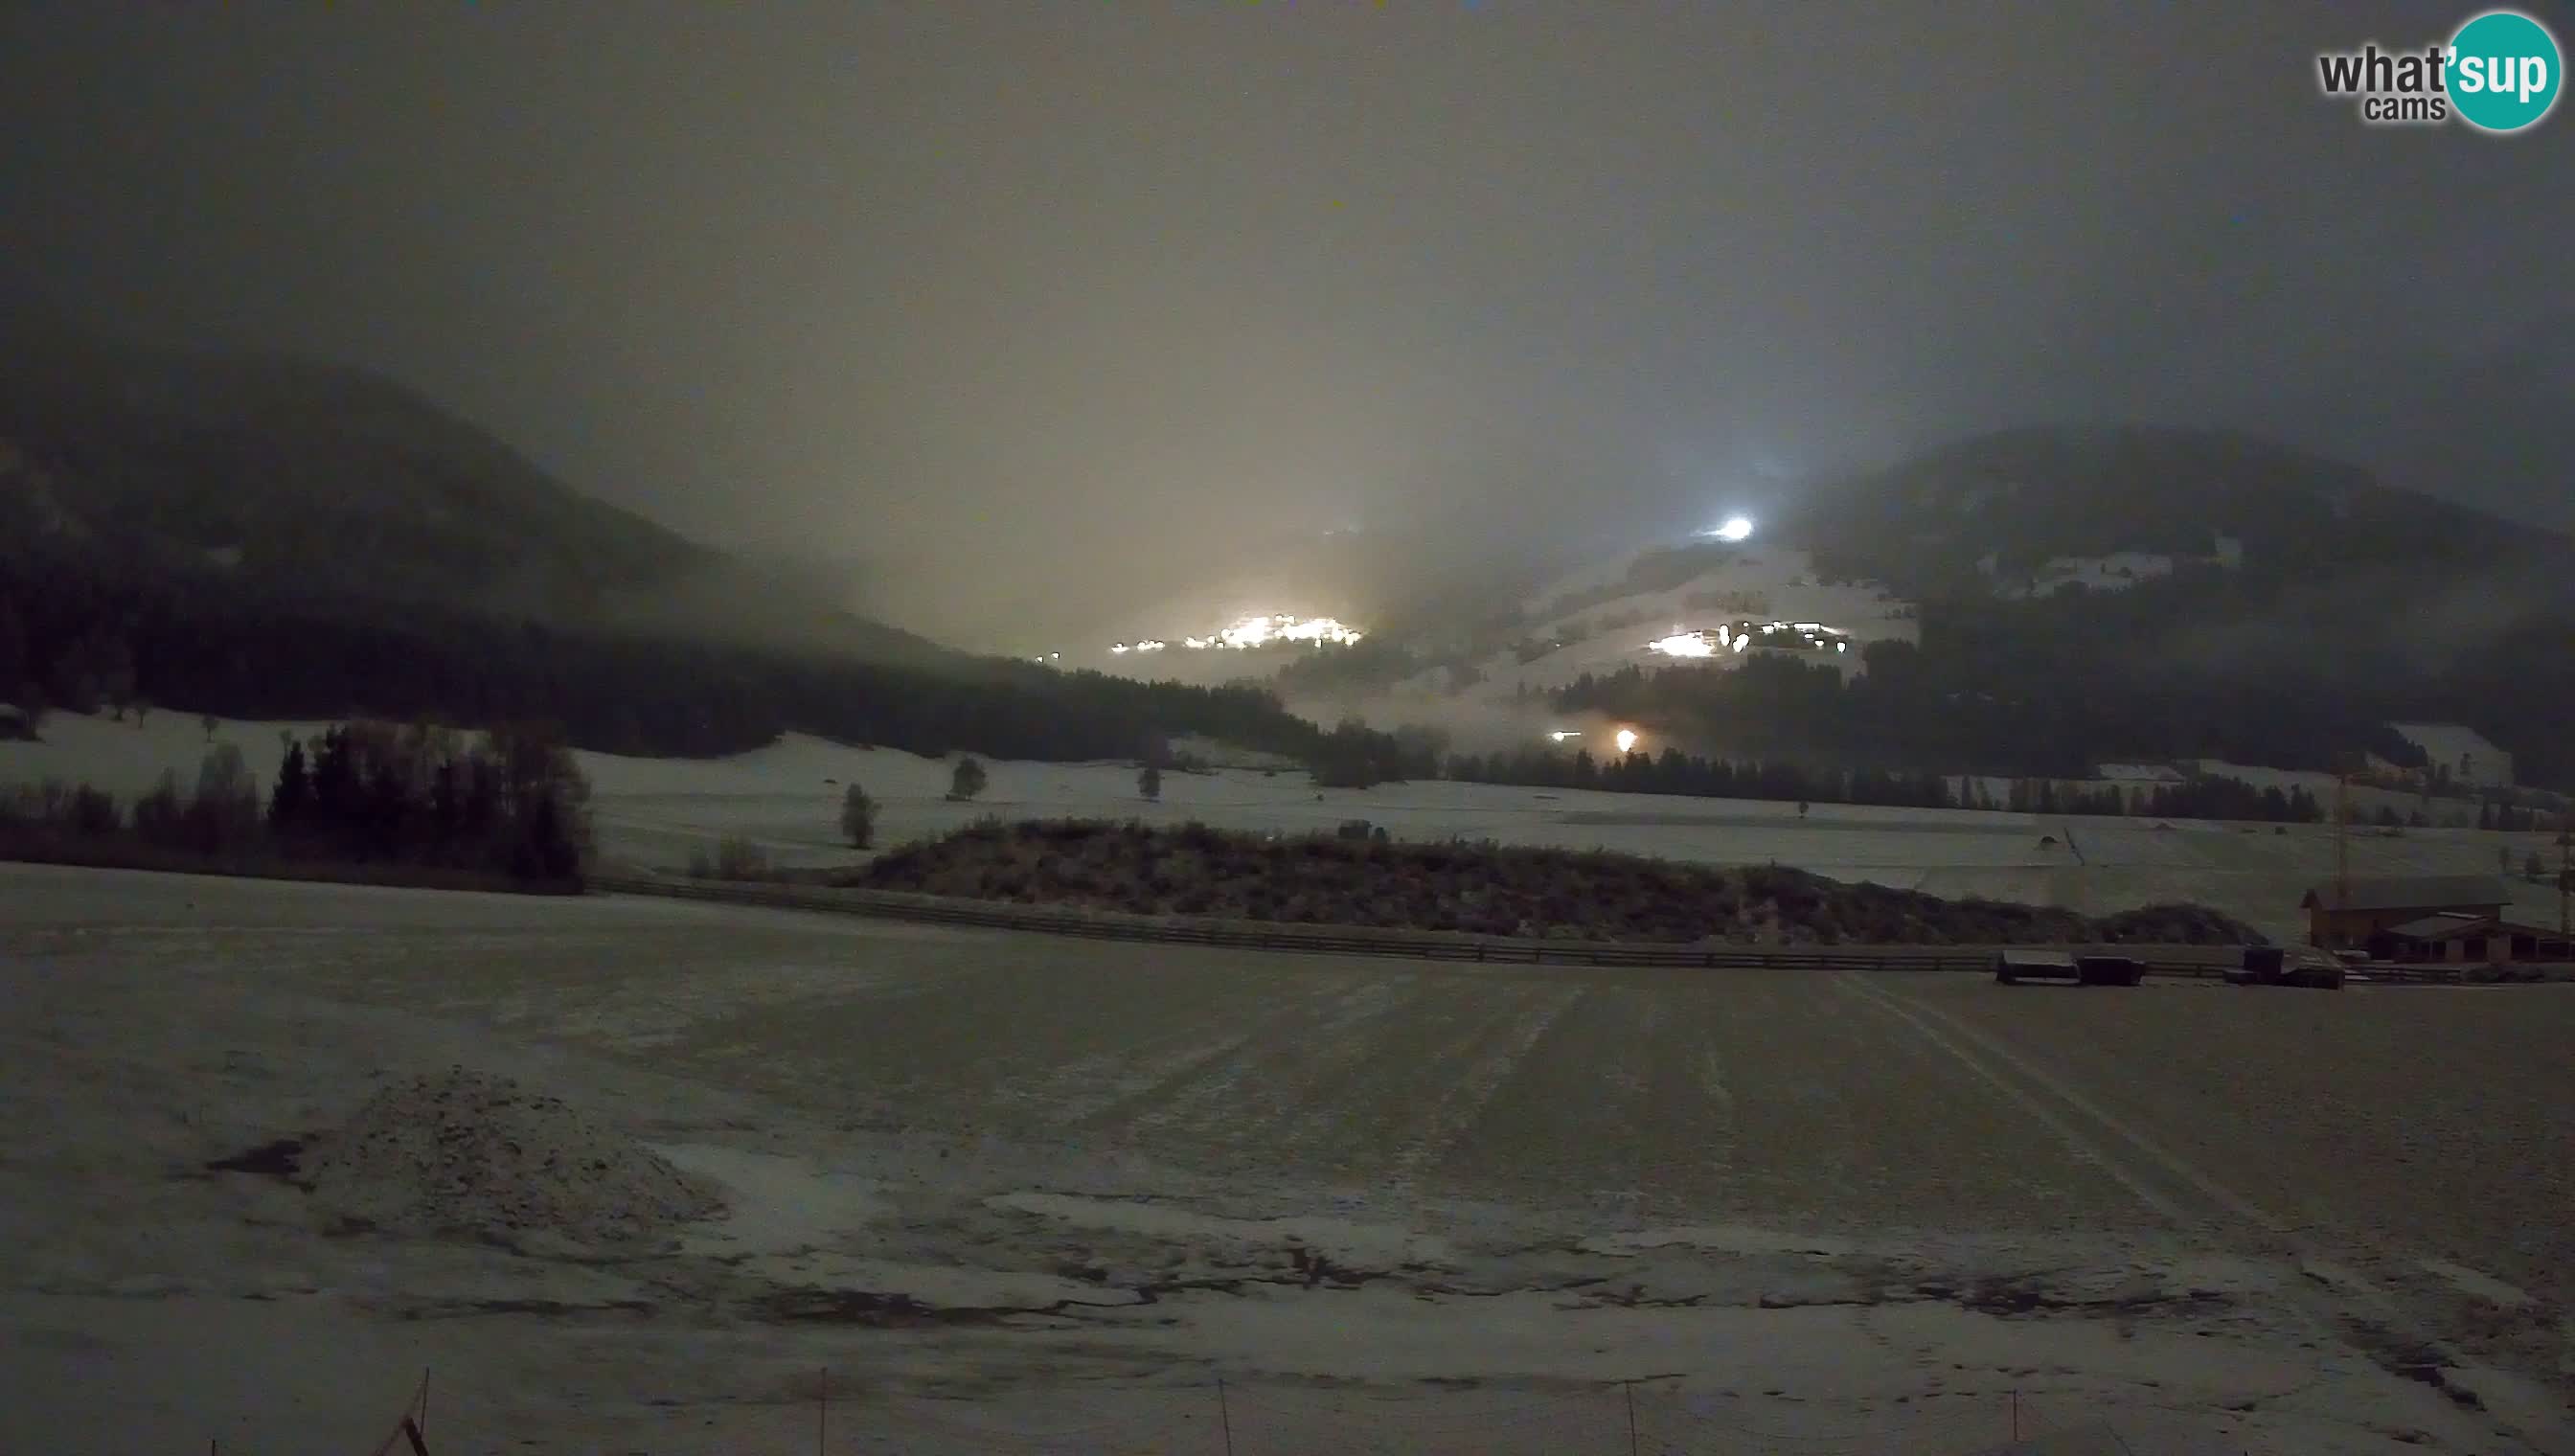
(2342, 858)
(2565, 879)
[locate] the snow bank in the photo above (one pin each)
(465, 1153)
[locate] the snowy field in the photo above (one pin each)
(1018, 1193)
(786, 797)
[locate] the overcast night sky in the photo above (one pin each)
(1084, 278)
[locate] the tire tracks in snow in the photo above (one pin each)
(2195, 1203)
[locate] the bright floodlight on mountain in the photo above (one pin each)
(1736, 528)
(1627, 739)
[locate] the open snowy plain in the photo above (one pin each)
(1019, 1194)
(786, 797)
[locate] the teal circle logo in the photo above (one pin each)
(2504, 70)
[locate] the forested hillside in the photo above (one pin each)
(270, 537)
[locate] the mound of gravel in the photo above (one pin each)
(465, 1153)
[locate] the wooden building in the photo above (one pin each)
(2347, 915)
(2454, 937)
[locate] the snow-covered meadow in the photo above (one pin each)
(786, 798)
(1019, 1192)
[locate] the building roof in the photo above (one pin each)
(2447, 742)
(2444, 927)
(2411, 892)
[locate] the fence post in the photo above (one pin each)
(822, 1406)
(1224, 1415)
(1628, 1387)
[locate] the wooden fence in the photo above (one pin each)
(2197, 962)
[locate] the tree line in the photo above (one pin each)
(2196, 799)
(508, 803)
(1354, 755)
(2222, 665)
(1675, 772)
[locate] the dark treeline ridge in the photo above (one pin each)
(1675, 772)
(81, 639)
(1672, 771)
(1352, 756)
(508, 806)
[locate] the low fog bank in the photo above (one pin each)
(1411, 577)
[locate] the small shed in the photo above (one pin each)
(2349, 914)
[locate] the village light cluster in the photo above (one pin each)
(1744, 636)
(1626, 738)
(1259, 632)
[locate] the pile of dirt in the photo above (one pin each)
(465, 1153)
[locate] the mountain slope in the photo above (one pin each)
(2005, 504)
(290, 477)
(2039, 601)
(273, 537)
(2494, 429)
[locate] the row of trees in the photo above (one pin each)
(1674, 772)
(2493, 816)
(1923, 706)
(1352, 756)
(509, 802)
(2197, 798)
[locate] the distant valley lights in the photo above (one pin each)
(1259, 632)
(1813, 637)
